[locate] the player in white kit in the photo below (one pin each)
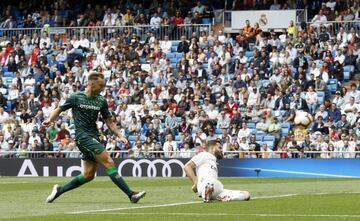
(205, 181)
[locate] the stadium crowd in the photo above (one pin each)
(173, 96)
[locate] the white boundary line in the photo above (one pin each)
(168, 205)
(234, 214)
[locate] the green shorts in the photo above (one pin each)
(89, 146)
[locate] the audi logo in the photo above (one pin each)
(151, 169)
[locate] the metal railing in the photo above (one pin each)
(106, 32)
(183, 154)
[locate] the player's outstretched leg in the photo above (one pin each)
(58, 190)
(231, 195)
(112, 172)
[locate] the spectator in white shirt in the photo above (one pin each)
(45, 39)
(155, 21)
(170, 147)
(166, 45)
(319, 19)
(311, 100)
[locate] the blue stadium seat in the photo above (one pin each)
(170, 55)
(142, 61)
(320, 97)
(173, 48)
(285, 131)
(175, 43)
(78, 51)
(9, 74)
(249, 54)
(218, 131)
(132, 138)
(346, 76)
(251, 125)
(178, 119)
(259, 138)
(269, 138)
(349, 68)
(205, 65)
(177, 138)
(174, 60)
(5, 69)
(260, 133)
(206, 21)
(179, 55)
(332, 85)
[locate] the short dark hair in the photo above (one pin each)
(95, 76)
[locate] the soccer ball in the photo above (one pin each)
(303, 119)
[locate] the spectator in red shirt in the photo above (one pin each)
(177, 19)
(62, 133)
(230, 106)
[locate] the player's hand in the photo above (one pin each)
(123, 139)
(194, 188)
(45, 123)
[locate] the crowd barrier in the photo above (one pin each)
(178, 154)
(106, 32)
(166, 167)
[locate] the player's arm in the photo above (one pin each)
(69, 103)
(189, 170)
(52, 117)
(114, 129)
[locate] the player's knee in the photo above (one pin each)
(109, 162)
(89, 177)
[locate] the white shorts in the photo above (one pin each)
(219, 192)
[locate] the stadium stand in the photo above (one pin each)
(199, 85)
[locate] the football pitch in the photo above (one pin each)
(172, 199)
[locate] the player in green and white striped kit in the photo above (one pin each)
(85, 107)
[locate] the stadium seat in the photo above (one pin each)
(177, 138)
(346, 76)
(218, 131)
(260, 133)
(320, 97)
(178, 119)
(132, 138)
(206, 21)
(175, 43)
(249, 54)
(5, 69)
(332, 85)
(349, 68)
(179, 55)
(173, 48)
(170, 55)
(269, 138)
(285, 131)
(205, 66)
(142, 61)
(259, 139)
(9, 74)
(251, 125)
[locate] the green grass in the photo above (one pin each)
(313, 199)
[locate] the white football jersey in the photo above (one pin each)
(206, 166)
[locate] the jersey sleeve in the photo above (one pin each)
(69, 103)
(105, 113)
(198, 159)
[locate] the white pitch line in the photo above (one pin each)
(234, 214)
(168, 205)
